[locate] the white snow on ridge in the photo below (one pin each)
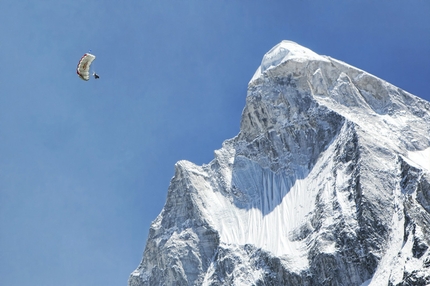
(284, 51)
(287, 50)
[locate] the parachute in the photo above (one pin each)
(83, 69)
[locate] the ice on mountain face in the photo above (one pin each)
(422, 158)
(327, 183)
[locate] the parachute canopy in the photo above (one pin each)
(83, 69)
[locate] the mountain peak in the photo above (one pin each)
(293, 83)
(283, 52)
(288, 50)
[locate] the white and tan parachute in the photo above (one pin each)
(83, 69)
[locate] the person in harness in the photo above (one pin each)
(96, 76)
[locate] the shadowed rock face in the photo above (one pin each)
(327, 183)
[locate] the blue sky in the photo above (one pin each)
(85, 166)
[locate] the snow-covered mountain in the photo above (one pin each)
(327, 183)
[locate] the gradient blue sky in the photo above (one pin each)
(85, 166)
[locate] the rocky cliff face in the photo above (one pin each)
(327, 183)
